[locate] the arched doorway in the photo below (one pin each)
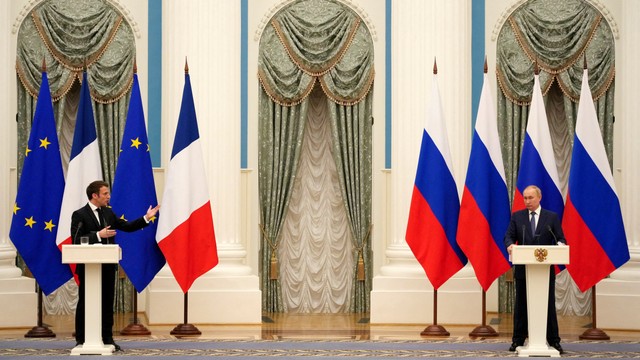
(322, 45)
(559, 36)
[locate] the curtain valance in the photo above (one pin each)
(68, 34)
(313, 41)
(556, 35)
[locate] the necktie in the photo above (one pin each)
(533, 223)
(100, 217)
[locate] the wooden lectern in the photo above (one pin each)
(93, 256)
(538, 260)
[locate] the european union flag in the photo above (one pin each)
(133, 191)
(36, 212)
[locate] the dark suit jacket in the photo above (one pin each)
(548, 232)
(91, 226)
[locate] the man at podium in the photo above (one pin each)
(99, 223)
(533, 226)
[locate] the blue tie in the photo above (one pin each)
(533, 223)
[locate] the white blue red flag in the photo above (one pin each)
(592, 222)
(537, 162)
(36, 212)
(84, 164)
(433, 216)
(133, 192)
(185, 228)
(484, 211)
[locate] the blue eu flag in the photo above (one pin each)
(132, 194)
(36, 212)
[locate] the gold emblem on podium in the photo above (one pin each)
(540, 254)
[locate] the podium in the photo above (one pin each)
(93, 256)
(537, 260)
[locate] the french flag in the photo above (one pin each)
(537, 162)
(433, 216)
(185, 227)
(484, 212)
(592, 221)
(84, 164)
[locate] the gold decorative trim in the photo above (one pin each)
(61, 58)
(543, 65)
(344, 102)
(296, 60)
(276, 98)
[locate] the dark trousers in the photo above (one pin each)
(108, 286)
(520, 321)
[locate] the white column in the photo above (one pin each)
(622, 289)
(207, 33)
(421, 31)
(17, 293)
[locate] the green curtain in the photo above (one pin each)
(558, 36)
(310, 43)
(69, 35)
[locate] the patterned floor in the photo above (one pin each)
(320, 349)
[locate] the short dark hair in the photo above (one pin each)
(94, 187)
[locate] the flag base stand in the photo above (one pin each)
(40, 332)
(594, 334)
(434, 330)
(185, 330)
(483, 331)
(135, 329)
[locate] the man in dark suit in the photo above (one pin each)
(97, 221)
(533, 226)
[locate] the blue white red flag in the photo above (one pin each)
(133, 192)
(537, 162)
(84, 164)
(592, 222)
(36, 212)
(185, 228)
(433, 216)
(484, 212)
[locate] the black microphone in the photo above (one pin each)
(75, 237)
(524, 233)
(552, 234)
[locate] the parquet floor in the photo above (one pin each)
(322, 327)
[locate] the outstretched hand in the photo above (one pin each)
(152, 211)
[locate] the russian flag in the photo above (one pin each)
(84, 164)
(185, 228)
(537, 162)
(484, 212)
(592, 222)
(433, 216)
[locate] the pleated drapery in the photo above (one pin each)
(70, 35)
(314, 43)
(558, 36)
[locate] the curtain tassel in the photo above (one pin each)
(360, 272)
(273, 270)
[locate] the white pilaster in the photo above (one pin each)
(17, 293)
(421, 31)
(207, 34)
(618, 297)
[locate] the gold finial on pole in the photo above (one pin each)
(44, 65)
(186, 66)
(435, 66)
(135, 65)
(486, 68)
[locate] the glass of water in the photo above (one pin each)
(84, 240)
